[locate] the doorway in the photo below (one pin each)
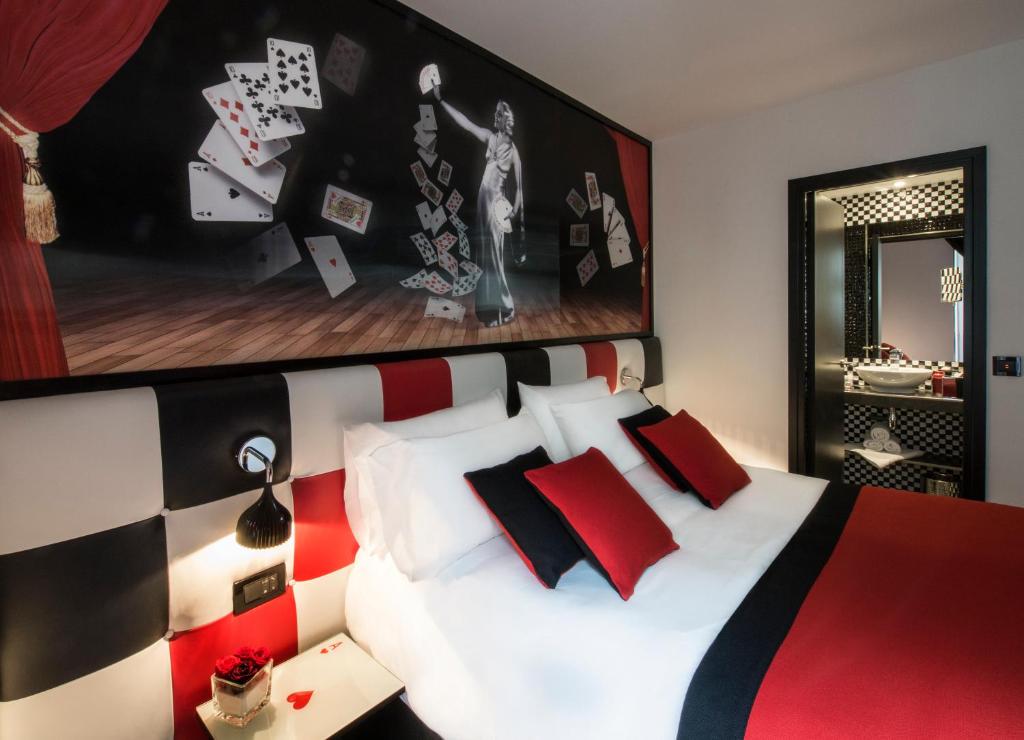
(887, 324)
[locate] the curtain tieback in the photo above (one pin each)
(40, 209)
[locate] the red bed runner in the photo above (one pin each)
(913, 627)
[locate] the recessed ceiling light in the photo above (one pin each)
(899, 183)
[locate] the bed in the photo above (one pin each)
(715, 641)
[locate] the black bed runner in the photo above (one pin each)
(728, 678)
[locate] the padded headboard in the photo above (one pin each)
(117, 517)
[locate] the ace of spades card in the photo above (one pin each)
(271, 121)
(442, 308)
(423, 212)
(220, 150)
(587, 267)
(343, 63)
(331, 262)
(229, 109)
(260, 259)
(293, 75)
(216, 197)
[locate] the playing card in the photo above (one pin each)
(608, 204)
(414, 281)
(342, 207)
(427, 156)
(344, 60)
(331, 263)
(618, 227)
(437, 284)
(445, 242)
(229, 109)
(579, 235)
(576, 203)
(423, 137)
(464, 245)
(216, 197)
(431, 192)
(426, 249)
(442, 308)
(587, 267)
(454, 202)
(449, 263)
(418, 172)
(593, 192)
(457, 222)
(427, 118)
(444, 173)
(261, 258)
(619, 252)
(465, 285)
(430, 77)
(293, 74)
(220, 150)
(437, 219)
(252, 83)
(424, 212)
(471, 268)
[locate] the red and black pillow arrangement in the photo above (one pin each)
(555, 514)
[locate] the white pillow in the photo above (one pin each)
(596, 424)
(429, 514)
(362, 439)
(538, 399)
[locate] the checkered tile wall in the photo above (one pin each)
(117, 516)
(905, 204)
(853, 381)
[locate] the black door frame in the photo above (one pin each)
(801, 349)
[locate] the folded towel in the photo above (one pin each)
(882, 460)
(880, 432)
(876, 445)
(892, 445)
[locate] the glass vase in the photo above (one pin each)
(238, 703)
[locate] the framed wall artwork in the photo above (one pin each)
(278, 185)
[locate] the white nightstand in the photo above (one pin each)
(346, 685)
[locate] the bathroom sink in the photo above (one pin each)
(893, 379)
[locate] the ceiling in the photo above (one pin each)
(662, 66)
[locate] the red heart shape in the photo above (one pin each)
(334, 262)
(299, 699)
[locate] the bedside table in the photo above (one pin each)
(317, 694)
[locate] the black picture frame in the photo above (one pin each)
(30, 388)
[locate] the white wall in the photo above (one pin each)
(721, 239)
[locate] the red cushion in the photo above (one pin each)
(697, 456)
(619, 533)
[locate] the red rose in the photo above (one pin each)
(224, 666)
(244, 652)
(261, 656)
(242, 672)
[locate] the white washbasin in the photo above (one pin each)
(893, 379)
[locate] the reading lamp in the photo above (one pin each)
(625, 378)
(266, 523)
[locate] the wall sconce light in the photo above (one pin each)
(626, 379)
(266, 523)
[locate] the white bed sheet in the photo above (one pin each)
(486, 652)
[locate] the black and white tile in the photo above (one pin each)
(905, 204)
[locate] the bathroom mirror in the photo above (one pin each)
(915, 294)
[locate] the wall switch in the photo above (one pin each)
(258, 589)
(1006, 365)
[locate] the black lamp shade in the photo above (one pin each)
(264, 524)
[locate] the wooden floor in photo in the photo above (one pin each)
(156, 323)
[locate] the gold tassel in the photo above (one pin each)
(40, 209)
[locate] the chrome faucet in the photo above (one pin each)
(895, 354)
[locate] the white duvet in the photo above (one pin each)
(485, 651)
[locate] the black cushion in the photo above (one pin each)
(654, 456)
(540, 538)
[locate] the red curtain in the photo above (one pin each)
(54, 54)
(633, 162)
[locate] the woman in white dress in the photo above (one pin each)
(494, 304)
